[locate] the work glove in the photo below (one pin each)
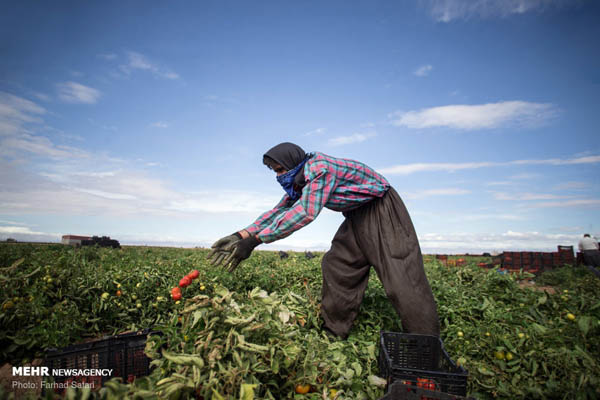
(240, 251)
(222, 248)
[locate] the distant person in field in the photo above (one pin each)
(377, 232)
(589, 247)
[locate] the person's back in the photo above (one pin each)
(588, 243)
(589, 247)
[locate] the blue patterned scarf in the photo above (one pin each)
(287, 180)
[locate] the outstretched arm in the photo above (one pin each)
(223, 248)
(315, 194)
(266, 218)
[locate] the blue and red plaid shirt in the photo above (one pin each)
(336, 183)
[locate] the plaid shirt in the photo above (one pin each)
(336, 183)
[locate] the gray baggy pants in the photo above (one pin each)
(591, 257)
(379, 234)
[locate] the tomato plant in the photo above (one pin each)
(256, 332)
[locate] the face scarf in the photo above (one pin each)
(287, 180)
(292, 158)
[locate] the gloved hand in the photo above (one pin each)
(222, 248)
(241, 250)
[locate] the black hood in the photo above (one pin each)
(286, 154)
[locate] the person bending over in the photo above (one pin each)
(377, 231)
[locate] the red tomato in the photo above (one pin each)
(194, 274)
(175, 290)
(176, 295)
(185, 281)
(425, 383)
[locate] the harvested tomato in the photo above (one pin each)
(185, 281)
(194, 274)
(426, 383)
(302, 389)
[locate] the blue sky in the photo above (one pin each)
(147, 121)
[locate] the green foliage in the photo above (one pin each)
(256, 332)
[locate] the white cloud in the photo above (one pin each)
(423, 70)
(18, 119)
(137, 61)
(498, 183)
(406, 169)
(42, 96)
(454, 242)
(25, 234)
(78, 187)
(94, 174)
(159, 124)
(18, 229)
(570, 203)
(525, 176)
(436, 192)
(73, 92)
(571, 186)
(170, 75)
(355, 138)
(108, 195)
(15, 110)
(317, 131)
(513, 196)
(448, 10)
(38, 145)
(227, 201)
(479, 217)
(473, 117)
(3, 221)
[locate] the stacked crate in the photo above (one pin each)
(536, 262)
(547, 260)
(511, 261)
(566, 255)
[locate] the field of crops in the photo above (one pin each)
(255, 333)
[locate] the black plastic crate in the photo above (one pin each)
(123, 353)
(406, 358)
(399, 391)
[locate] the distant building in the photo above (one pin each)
(74, 239)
